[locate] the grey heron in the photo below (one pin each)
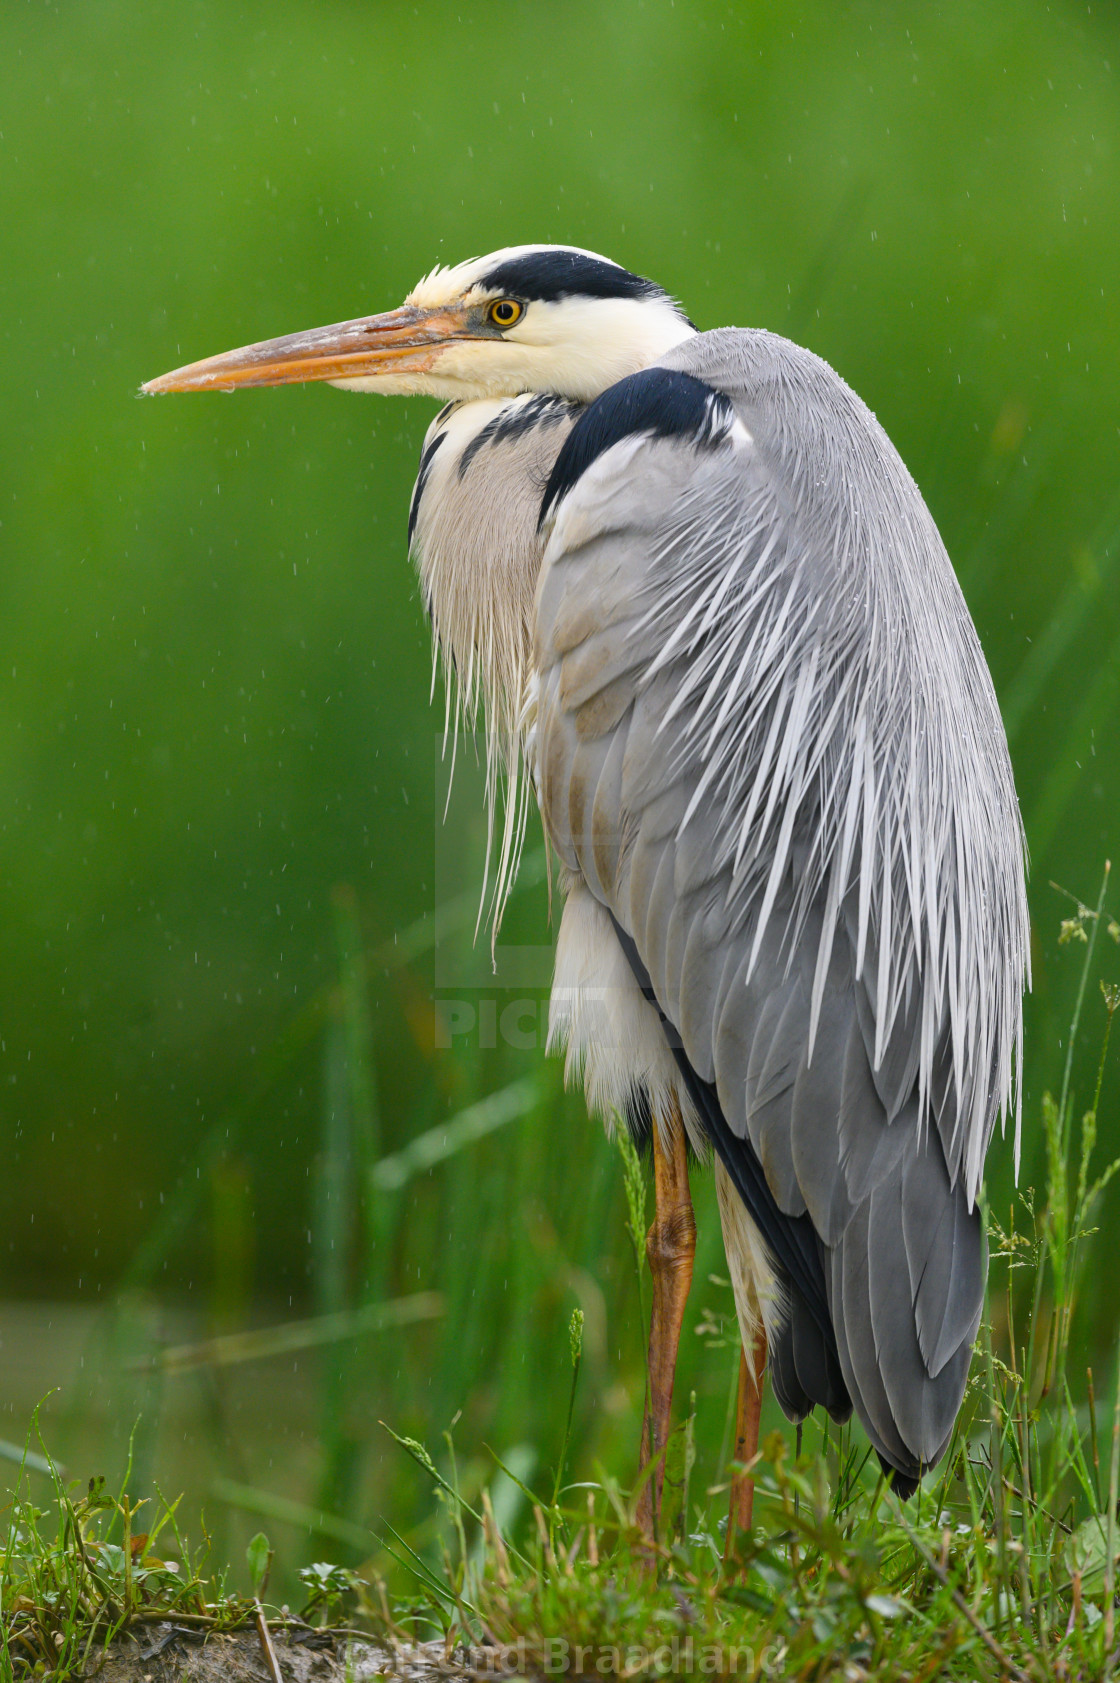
(715, 635)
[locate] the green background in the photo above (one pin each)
(219, 785)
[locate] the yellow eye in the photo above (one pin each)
(504, 312)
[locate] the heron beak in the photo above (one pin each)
(399, 343)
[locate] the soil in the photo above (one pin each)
(167, 1653)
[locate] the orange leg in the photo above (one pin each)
(746, 1440)
(670, 1247)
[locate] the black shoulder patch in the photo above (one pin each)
(659, 401)
(552, 274)
(543, 411)
(422, 477)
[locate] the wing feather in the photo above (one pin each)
(804, 825)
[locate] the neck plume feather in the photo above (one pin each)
(478, 554)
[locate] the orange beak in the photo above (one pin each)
(399, 343)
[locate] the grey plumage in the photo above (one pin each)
(778, 760)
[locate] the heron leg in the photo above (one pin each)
(670, 1248)
(748, 1410)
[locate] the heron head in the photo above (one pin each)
(541, 318)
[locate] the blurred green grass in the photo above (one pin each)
(216, 748)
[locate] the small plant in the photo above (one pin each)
(78, 1571)
(258, 1558)
(329, 1590)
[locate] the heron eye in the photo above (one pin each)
(505, 312)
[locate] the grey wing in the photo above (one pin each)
(792, 794)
